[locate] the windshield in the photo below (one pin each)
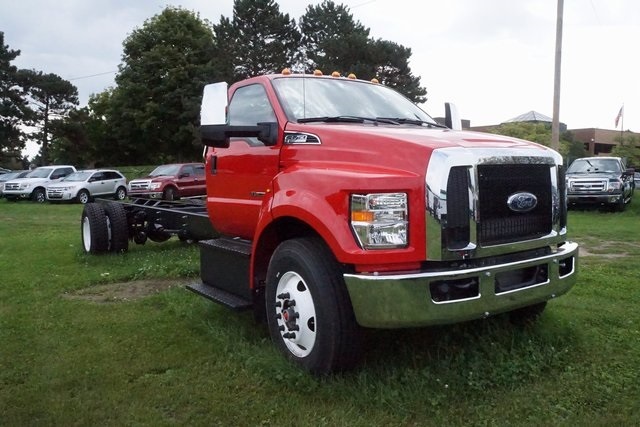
(313, 97)
(78, 176)
(39, 173)
(165, 170)
(8, 176)
(594, 166)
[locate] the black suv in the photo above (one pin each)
(600, 180)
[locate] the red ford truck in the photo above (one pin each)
(170, 182)
(335, 204)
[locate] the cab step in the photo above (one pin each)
(220, 296)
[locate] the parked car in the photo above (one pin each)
(600, 180)
(34, 184)
(636, 179)
(9, 176)
(83, 186)
(171, 182)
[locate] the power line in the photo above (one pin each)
(92, 75)
(363, 3)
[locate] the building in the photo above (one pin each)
(600, 142)
(528, 117)
(597, 142)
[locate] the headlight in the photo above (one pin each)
(155, 185)
(615, 185)
(24, 186)
(380, 221)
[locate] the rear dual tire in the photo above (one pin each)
(104, 228)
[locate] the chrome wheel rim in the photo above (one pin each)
(295, 314)
(86, 234)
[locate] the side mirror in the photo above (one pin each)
(452, 117)
(218, 135)
(213, 110)
(214, 130)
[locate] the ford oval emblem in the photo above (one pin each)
(522, 202)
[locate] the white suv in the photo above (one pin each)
(84, 185)
(33, 186)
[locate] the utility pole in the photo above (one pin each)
(555, 124)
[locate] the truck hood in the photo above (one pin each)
(29, 181)
(428, 137)
(394, 150)
(154, 178)
(593, 175)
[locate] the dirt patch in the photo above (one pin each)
(606, 249)
(124, 291)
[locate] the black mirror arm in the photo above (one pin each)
(218, 135)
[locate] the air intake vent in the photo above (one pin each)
(457, 224)
(562, 191)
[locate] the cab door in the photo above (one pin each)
(239, 177)
(97, 184)
(185, 180)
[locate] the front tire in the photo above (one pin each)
(39, 196)
(309, 312)
(170, 194)
(83, 197)
(93, 228)
(121, 193)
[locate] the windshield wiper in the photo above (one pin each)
(418, 122)
(347, 119)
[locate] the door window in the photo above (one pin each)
(250, 106)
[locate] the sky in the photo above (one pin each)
(495, 59)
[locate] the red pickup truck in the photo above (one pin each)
(335, 204)
(171, 182)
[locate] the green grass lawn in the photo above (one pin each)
(117, 340)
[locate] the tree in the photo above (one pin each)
(13, 106)
(71, 144)
(392, 69)
(570, 148)
(530, 131)
(50, 98)
(629, 148)
(154, 111)
(333, 41)
(541, 133)
(263, 40)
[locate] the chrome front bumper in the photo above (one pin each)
(407, 300)
(146, 194)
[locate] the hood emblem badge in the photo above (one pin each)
(522, 202)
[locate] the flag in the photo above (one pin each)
(619, 115)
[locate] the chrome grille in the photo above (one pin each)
(54, 193)
(139, 185)
(497, 223)
(586, 185)
(470, 197)
(11, 186)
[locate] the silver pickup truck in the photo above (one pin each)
(600, 180)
